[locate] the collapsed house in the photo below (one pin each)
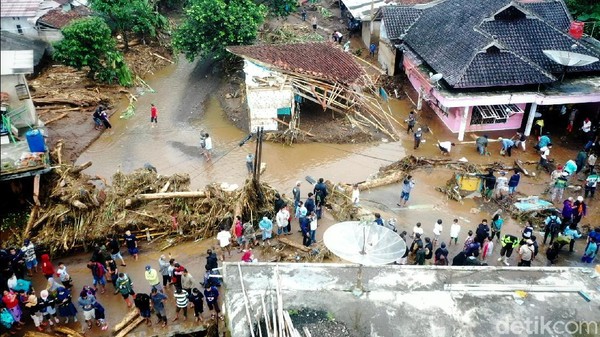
(280, 77)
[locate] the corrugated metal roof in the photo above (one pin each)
(19, 8)
(16, 62)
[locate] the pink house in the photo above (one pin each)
(481, 66)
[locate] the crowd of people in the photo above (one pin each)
(479, 244)
(59, 302)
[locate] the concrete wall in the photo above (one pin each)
(387, 57)
(10, 24)
(263, 104)
(414, 300)
(7, 84)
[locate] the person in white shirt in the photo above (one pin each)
(208, 146)
(417, 230)
(544, 153)
(355, 195)
(454, 230)
(224, 238)
(437, 231)
(445, 147)
(501, 185)
(282, 218)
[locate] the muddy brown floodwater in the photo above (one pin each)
(187, 103)
(186, 100)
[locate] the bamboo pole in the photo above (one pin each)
(169, 195)
(265, 315)
(275, 324)
(246, 305)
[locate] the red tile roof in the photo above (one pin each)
(323, 60)
(57, 18)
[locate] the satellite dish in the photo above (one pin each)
(569, 59)
(365, 243)
(435, 78)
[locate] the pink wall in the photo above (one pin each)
(453, 117)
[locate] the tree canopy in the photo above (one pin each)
(88, 43)
(587, 11)
(280, 8)
(211, 25)
(130, 16)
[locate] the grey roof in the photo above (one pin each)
(398, 19)
(12, 41)
(554, 12)
(451, 35)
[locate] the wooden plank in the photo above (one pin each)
(130, 327)
(293, 244)
(36, 190)
(131, 315)
(185, 194)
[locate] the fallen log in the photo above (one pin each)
(51, 101)
(36, 334)
(67, 331)
(162, 58)
(61, 116)
(32, 216)
(185, 194)
(80, 168)
(130, 327)
(293, 244)
(519, 164)
(130, 316)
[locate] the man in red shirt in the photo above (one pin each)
(153, 115)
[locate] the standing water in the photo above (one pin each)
(186, 102)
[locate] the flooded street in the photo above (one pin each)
(185, 98)
(186, 104)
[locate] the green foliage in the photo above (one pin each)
(587, 11)
(130, 16)
(211, 25)
(88, 43)
(280, 8)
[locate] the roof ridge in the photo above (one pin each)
(505, 48)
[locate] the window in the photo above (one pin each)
(493, 114)
(19, 29)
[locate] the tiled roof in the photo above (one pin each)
(19, 8)
(449, 35)
(487, 69)
(323, 60)
(530, 37)
(57, 18)
(552, 11)
(398, 19)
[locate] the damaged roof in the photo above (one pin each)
(57, 18)
(496, 43)
(323, 60)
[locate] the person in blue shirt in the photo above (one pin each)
(543, 141)
(211, 294)
(378, 219)
(372, 49)
(572, 233)
(514, 182)
(507, 145)
(552, 228)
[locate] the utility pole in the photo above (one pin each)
(258, 154)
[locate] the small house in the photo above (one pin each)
(486, 67)
(19, 16)
(279, 77)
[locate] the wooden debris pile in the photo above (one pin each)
(81, 210)
(61, 90)
(288, 33)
